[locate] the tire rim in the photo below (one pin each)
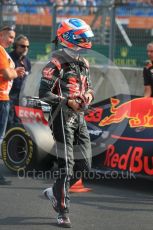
(17, 149)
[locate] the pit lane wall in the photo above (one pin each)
(107, 81)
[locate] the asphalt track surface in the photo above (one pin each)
(113, 204)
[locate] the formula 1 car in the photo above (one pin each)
(28, 141)
(120, 129)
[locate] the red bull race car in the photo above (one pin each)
(120, 128)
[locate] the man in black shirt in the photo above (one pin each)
(19, 56)
(148, 72)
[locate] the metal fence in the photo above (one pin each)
(133, 31)
(121, 32)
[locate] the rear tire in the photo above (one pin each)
(18, 149)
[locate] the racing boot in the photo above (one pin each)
(63, 220)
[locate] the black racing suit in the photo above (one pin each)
(66, 77)
(148, 76)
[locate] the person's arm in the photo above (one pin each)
(5, 70)
(28, 65)
(147, 91)
(49, 81)
(9, 73)
(20, 71)
(147, 82)
(89, 91)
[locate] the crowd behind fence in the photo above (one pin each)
(133, 26)
(77, 7)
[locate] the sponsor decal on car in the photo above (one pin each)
(30, 115)
(94, 115)
(131, 110)
(133, 160)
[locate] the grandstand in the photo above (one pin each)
(29, 6)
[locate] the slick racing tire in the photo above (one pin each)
(28, 147)
(18, 149)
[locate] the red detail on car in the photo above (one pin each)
(94, 115)
(30, 115)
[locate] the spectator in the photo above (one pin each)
(83, 6)
(148, 72)
(92, 6)
(72, 8)
(7, 74)
(9, 9)
(19, 56)
(60, 6)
